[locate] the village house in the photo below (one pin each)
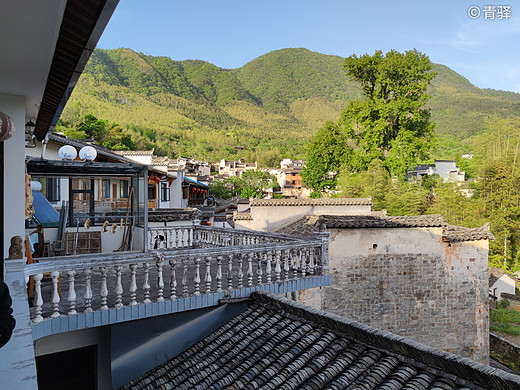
(446, 169)
(415, 276)
(196, 306)
(229, 168)
(500, 283)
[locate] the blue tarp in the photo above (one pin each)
(44, 212)
(195, 181)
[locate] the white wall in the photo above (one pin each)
(270, 218)
(505, 284)
(14, 170)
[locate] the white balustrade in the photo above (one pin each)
(106, 282)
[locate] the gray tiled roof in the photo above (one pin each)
(170, 215)
(312, 202)
(308, 225)
(279, 344)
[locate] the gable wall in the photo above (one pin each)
(409, 282)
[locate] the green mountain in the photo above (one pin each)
(266, 110)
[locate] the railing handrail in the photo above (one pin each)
(253, 233)
(90, 261)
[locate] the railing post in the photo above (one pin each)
(268, 258)
(104, 289)
(119, 287)
(219, 273)
(160, 281)
(259, 270)
(277, 267)
(173, 280)
(324, 237)
(250, 269)
(196, 279)
(88, 290)
(146, 284)
(72, 293)
(133, 285)
(230, 273)
(207, 277)
(38, 301)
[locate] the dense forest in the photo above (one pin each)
(270, 107)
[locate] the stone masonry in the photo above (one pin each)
(414, 276)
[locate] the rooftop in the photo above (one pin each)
(279, 344)
(312, 202)
(310, 224)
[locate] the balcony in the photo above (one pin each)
(188, 267)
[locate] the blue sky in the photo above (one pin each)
(230, 33)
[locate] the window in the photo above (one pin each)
(165, 192)
(105, 188)
(123, 193)
(53, 189)
(50, 187)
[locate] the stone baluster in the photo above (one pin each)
(185, 277)
(250, 269)
(277, 267)
(119, 287)
(219, 273)
(160, 280)
(268, 258)
(173, 279)
(196, 280)
(72, 293)
(230, 273)
(133, 284)
(153, 235)
(311, 262)
(146, 282)
(303, 261)
(88, 290)
(38, 300)
(286, 267)
(259, 272)
(240, 272)
(295, 261)
(207, 277)
(56, 294)
(176, 238)
(104, 289)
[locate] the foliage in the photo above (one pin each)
(505, 320)
(391, 123)
(221, 189)
(253, 183)
(273, 105)
(326, 153)
(375, 182)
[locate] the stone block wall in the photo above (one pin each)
(410, 282)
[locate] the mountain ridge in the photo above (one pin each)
(270, 107)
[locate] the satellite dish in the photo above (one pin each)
(67, 152)
(87, 153)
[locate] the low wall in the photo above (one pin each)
(504, 351)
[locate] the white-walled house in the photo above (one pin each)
(500, 282)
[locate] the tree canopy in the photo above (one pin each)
(391, 123)
(326, 153)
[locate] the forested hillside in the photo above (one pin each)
(269, 108)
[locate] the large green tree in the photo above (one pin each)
(326, 153)
(391, 123)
